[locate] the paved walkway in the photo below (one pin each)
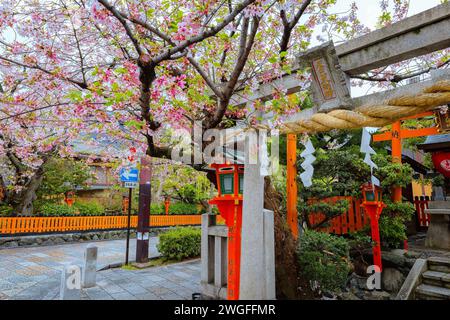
(172, 282)
(34, 272)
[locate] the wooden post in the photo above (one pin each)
(396, 156)
(292, 184)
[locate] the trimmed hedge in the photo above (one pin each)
(51, 209)
(180, 243)
(176, 208)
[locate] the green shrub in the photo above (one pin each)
(324, 258)
(89, 208)
(180, 243)
(54, 209)
(51, 209)
(392, 231)
(5, 210)
(183, 208)
(157, 208)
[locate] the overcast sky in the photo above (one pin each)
(368, 12)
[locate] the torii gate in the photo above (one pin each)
(423, 33)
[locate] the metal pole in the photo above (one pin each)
(128, 225)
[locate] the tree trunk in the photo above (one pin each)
(289, 284)
(22, 201)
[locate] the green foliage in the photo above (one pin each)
(62, 175)
(404, 210)
(185, 184)
(392, 231)
(183, 208)
(337, 173)
(5, 210)
(180, 243)
(358, 241)
(54, 209)
(157, 208)
(324, 258)
(392, 174)
(89, 208)
(175, 208)
(438, 181)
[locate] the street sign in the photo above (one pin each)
(129, 177)
(130, 184)
(129, 174)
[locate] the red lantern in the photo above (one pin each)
(167, 204)
(230, 183)
(441, 162)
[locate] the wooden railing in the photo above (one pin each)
(352, 220)
(421, 203)
(35, 225)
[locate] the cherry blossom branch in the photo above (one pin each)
(122, 20)
(289, 25)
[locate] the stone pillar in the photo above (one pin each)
(70, 288)
(90, 266)
(207, 271)
(252, 281)
(269, 255)
(438, 234)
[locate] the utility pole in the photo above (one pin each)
(143, 226)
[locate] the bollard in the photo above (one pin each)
(90, 266)
(70, 283)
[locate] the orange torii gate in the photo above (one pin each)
(397, 134)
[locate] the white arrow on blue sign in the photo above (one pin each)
(129, 174)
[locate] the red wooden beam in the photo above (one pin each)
(406, 133)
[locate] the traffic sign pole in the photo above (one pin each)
(130, 190)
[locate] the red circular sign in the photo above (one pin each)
(441, 162)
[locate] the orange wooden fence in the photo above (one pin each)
(352, 220)
(24, 225)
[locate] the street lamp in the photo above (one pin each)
(373, 204)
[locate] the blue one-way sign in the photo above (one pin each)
(129, 174)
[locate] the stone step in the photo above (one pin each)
(439, 264)
(428, 292)
(436, 278)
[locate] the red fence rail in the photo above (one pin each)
(354, 219)
(421, 203)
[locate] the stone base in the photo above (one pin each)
(438, 235)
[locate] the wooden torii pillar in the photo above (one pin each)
(291, 181)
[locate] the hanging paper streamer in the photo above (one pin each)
(306, 176)
(367, 149)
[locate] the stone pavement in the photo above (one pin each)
(172, 282)
(34, 272)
